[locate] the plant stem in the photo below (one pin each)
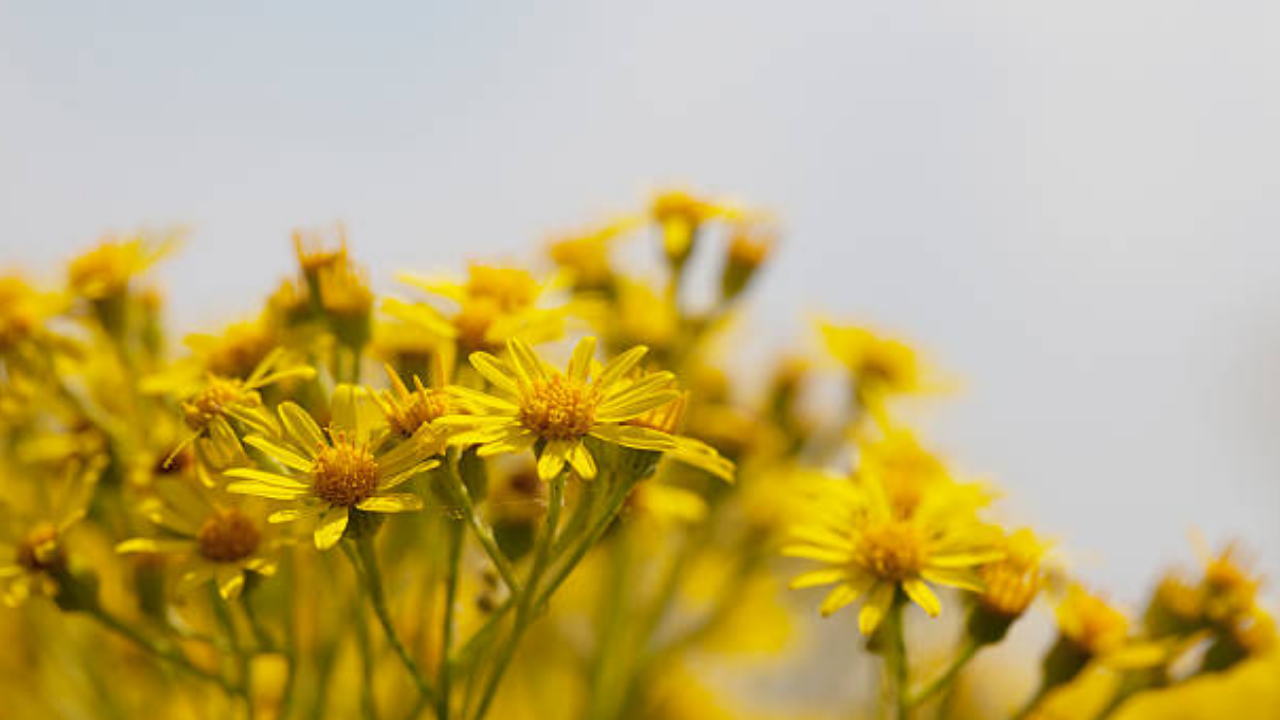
(222, 611)
(368, 558)
(483, 532)
(897, 659)
(948, 676)
(169, 655)
(450, 598)
(525, 605)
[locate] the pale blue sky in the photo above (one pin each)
(1073, 205)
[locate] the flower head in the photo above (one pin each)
(881, 367)
(352, 467)
(212, 537)
(870, 550)
(557, 411)
(1012, 582)
(107, 270)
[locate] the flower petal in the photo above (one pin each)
(552, 460)
(840, 596)
(153, 545)
(876, 607)
(230, 581)
(580, 458)
(265, 490)
(580, 361)
(279, 452)
(391, 503)
(816, 578)
(269, 478)
(300, 427)
(495, 371)
(920, 593)
(620, 366)
(634, 436)
(331, 527)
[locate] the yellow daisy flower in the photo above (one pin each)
(558, 411)
(353, 466)
(33, 554)
(106, 270)
(872, 551)
(584, 255)
(881, 367)
(213, 539)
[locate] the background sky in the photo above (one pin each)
(1071, 205)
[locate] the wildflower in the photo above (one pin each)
(315, 253)
(24, 313)
(585, 255)
(872, 551)
(106, 271)
(1009, 585)
(212, 539)
(538, 404)
(33, 552)
(209, 410)
(748, 249)
(407, 411)
(347, 302)
(493, 305)
(353, 467)
(680, 215)
(1089, 628)
(881, 367)
(234, 352)
(687, 450)
(1229, 590)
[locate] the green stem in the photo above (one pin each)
(525, 605)
(450, 599)
(368, 705)
(483, 532)
(169, 655)
(222, 612)
(948, 676)
(897, 659)
(372, 575)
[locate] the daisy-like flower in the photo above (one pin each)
(493, 304)
(33, 554)
(584, 255)
(107, 270)
(680, 214)
(210, 406)
(212, 538)
(687, 450)
(871, 551)
(881, 367)
(354, 466)
(557, 411)
(1093, 629)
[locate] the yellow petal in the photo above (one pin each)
(331, 527)
(494, 370)
(391, 503)
(580, 362)
(269, 478)
(552, 460)
(816, 578)
(620, 366)
(634, 436)
(920, 593)
(279, 452)
(875, 608)
(261, 489)
(581, 460)
(839, 597)
(230, 581)
(300, 428)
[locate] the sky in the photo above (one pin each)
(1070, 205)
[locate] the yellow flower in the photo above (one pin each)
(680, 214)
(33, 555)
(408, 411)
(1097, 630)
(687, 450)
(881, 367)
(209, 409)
(1011, 583)
(214, 539)
(1229, 590)
(493, 305)
(538, 404)
(234, 352)
(315, 253)
(106, 270)
(354, 466)
(585, 255)
(871, 551)
(749, 248)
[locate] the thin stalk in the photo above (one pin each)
(446, 634)
(525, 605)
(222, 611)
(947, 678)
(169, 655)
(367, 557)
(897, 659)
(483, 532)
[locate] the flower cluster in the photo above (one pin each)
(533, 490)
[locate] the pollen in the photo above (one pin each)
(345, 473)
(893, 551)
(227, 536)
(40, 550)
(559, 408)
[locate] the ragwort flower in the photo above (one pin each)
(353, 466)
(538, 404)
(872, 551)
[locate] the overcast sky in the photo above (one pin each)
(1072, 205)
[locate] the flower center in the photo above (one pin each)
(415, 410)
(559, 408)
(201, 409)
(40, 550)
(893, 551)
(227, 536)
(345, 473)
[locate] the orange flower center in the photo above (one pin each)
(345, 473)
(892, 551)
(40, 550)
(227, 536)
(559, 408)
